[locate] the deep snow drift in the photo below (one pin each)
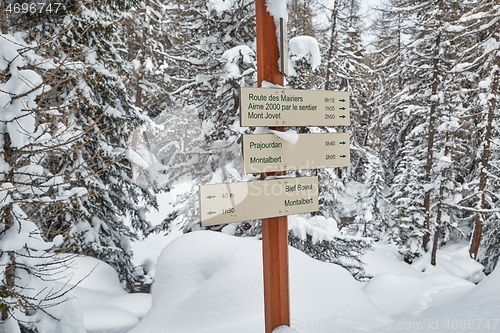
(212, 282)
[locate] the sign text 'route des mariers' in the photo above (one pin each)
(288, 107)
(234, 202)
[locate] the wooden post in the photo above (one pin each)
(275, 229)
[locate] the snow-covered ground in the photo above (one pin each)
(212, 282)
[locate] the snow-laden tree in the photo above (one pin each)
(388, 30)
(480, 74)
(209, 58)
(375, 216)
(347, 68)
(429, 96)
(407, 195)
(300, 18)
(32, 135)
(84, 68)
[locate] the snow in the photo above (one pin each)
(304, 47)
(395, 293)
(284, 329)
(106, 306)
(319, 227)
(232, 58)
(212, 282)
(220, 6)
(386, 259)
(289, 135)
(453, 260)
(277, 9)
(146, 252)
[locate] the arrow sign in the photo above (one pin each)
(210, 197)
(243, 201)
(342, 142)
(268, 152)
(342, 116)
(290, 107)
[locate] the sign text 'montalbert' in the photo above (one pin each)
(234, 202)
(268, 152)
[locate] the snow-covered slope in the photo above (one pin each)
(212, 282)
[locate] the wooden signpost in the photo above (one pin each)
(274, 229)
(268, 154)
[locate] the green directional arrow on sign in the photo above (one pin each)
(211, 213)
(342, 116)
(342, 142)
(342, 100)
(342, 108)
(210, 197)
(343, 156)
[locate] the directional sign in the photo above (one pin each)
(234, 202)
(287, 107)
(268, 152)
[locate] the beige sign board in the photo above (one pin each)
(288, 107)
(268, 152)
(235, 202)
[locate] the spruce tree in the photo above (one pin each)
(32, 136)
(86, 73)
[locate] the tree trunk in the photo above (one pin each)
(485, 159)
(10, 267)
(3, 18)
(329, 62)
(430, 146)
(435, 243)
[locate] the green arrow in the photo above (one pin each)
(211, 213)
(342, 108)
(342, 142)
(342, 116)
(341, 100)
(343, 156)
(210, 197)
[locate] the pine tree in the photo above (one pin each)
(376, 202)
(428, 97)
(87, 77)
(300, 19)
(407, 193)
(479, 70)
(209, 59)
(32, 135)
(388, 29)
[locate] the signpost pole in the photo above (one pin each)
(275, 229)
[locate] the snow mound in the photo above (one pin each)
(284, 329)
(386, 259)
(477, 311)
(304, 47)
(454, 260)
(212, 282)
(106, 306)
(394, 293)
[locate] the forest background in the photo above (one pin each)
(106, 104)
